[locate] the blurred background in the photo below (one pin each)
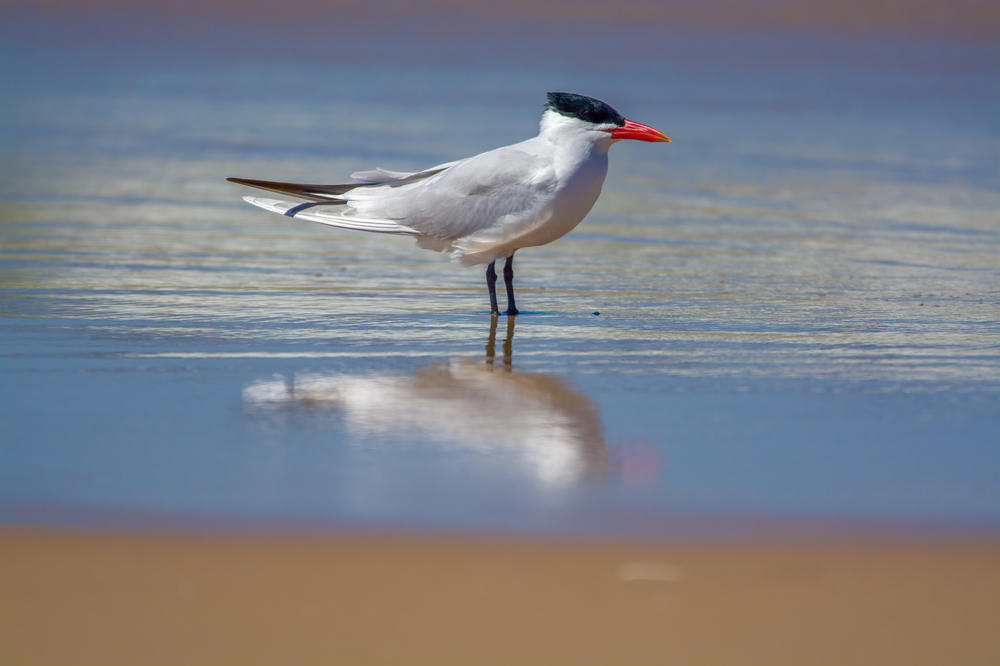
(781, 326)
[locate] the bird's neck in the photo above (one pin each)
(572, 135)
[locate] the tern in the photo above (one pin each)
(484, 208)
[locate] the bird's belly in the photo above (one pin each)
(493, 244)
(552, 228)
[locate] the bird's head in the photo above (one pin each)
(595, 115)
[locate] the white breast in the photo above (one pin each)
(567, 190)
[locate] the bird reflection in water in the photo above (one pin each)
(553, 432)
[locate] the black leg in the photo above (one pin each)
(508, 280)
(491, 284)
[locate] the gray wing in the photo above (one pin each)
(333, 192)
(499, 186)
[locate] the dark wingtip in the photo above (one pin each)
(300, 190)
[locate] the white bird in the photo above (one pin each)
(483, 208)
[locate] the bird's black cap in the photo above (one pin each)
(585, 108)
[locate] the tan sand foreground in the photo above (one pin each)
(106, 598)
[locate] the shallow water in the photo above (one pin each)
(790, 311)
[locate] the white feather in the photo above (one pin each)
(482, 208)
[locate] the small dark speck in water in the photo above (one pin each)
(597, 314)
(319, 275)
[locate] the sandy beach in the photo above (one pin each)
(116, 598)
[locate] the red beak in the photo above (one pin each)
(639, 132)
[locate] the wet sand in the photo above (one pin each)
(117, 598)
